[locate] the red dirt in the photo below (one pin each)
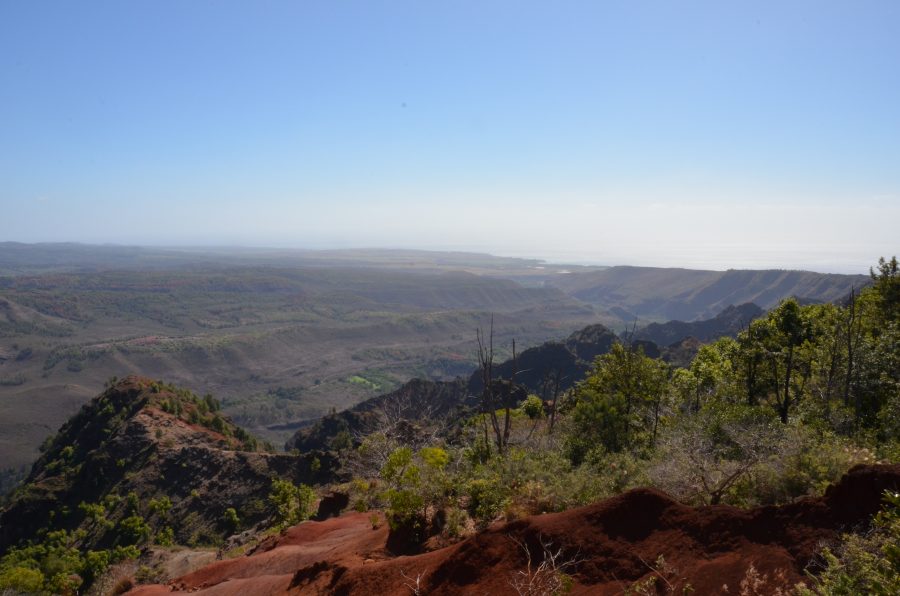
(615, 541)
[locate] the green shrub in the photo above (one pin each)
(165, 537)
(133, 529)
(864, 564)
(806, 463)
(231, 519)
(533, 407)
(160, 506)
(293, 504)
(26, 580)
(487, 499)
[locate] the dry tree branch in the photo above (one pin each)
(547, 578)
(414, 585)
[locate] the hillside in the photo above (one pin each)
(423, 400)
(138, 443)
(284, 336)
(275, 344)
(606, 548)
(661, 294)
(729, 323)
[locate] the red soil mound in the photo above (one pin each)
(614, 543)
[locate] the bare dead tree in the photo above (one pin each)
(550, 388)
(414, 584)
(852, 335)
(495, 394)
(394, 414)
(549, 575)
(486, 367)
(697, 468)
(394, 421)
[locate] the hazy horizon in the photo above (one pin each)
(702, 134)
(689, 258)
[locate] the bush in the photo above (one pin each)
(806, 462)
(161, 505)
(293, 504)
(133, 529)
(487, 499)
(231, 519)
(21, 579)
(864, 564)
(533, 407)
(165, 537)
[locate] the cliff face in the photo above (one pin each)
(139, 443)
(689, 295)
(610, 545)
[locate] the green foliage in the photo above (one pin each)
(56, 565)
(532, 406)
(133, 530)
(231, 519)
(403, 495)
(160, 506)
(780, 412)
(434, 457)
(293, 503)
(95, 513)
(20, 579)
(487, 498)
(165, 537)
(887, 289)
(804, 462)
(95, 563)
(619, 404)
(412, 481)
(863, 563)
(132, 502)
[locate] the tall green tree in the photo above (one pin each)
(619, 404)
(887, 287)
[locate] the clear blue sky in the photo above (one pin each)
(674, 133)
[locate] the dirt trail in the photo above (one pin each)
(616, 543)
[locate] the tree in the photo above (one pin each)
(887, 287)
(415, 485)
(496, 394)
(618, 405)
(293, 504)
(751, 358)
(713, 373)
(707, 454)
(777, 338)
(551, 390)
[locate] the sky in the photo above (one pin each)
(703, 134)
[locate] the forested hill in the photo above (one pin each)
(729, 322)
(689, 294)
